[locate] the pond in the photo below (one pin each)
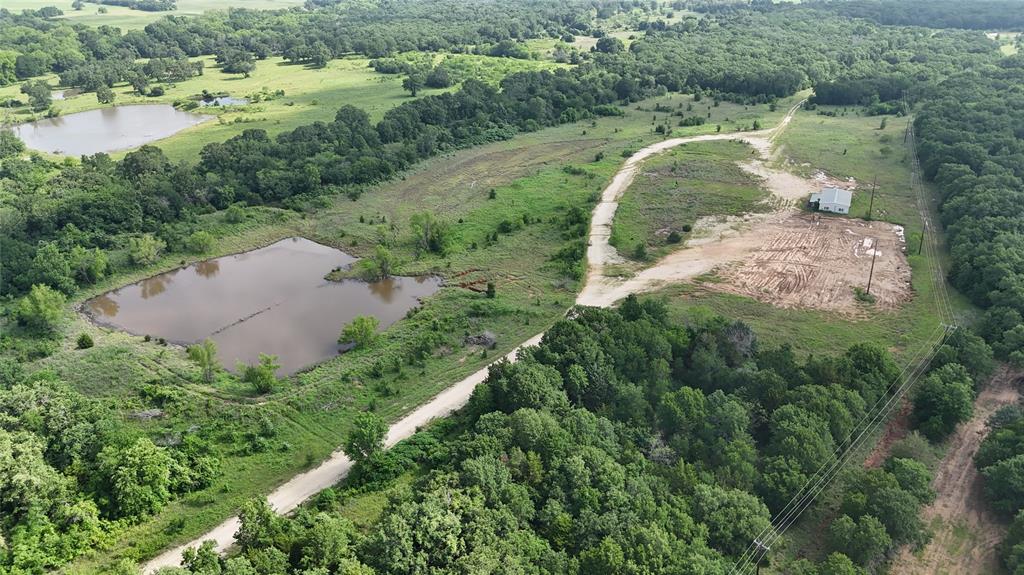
(106, 129)
(271, 300)
(224, 101)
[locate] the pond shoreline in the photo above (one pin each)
(273, 299)
(106, 130)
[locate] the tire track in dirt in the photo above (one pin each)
(966, 530)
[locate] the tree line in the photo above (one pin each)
(971, 145)
(624, 443)
(1001, 462)
(38, 45)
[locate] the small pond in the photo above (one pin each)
(106, 129)
(271, 300)
(224, 101)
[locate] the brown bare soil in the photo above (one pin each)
(816, 261)
(896, 429)
(965, 530)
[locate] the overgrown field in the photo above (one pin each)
(672, 191)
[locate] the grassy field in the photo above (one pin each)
(842, 146)
(264, 440)
(310, 95)
(128, 19)
(1009, 42)
(673, 190)
(849, 145)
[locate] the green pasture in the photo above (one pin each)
(310, 95)
(672, 191)
(128, 19)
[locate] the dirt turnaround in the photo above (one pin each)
(597, 291)
(965, 530)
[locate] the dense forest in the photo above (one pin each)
(623, 443)
(971, 136)
(1001, 460)
(70, 470)
(982, 15)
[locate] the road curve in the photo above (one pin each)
(301, 487)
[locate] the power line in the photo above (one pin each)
(828, 470)
(918, 363)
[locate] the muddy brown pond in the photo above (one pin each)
(272, 300)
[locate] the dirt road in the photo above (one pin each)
(966, 532)
(739, 237)
(685, 265)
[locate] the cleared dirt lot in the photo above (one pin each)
(813, 261)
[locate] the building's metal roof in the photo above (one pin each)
(832, 195)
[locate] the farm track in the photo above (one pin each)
(966, 530)
(301, 487)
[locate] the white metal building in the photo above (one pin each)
(835, 200)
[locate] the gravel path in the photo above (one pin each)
(597, 291)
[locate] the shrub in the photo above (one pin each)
(84, 341)
(235, 214)
(199, 242)
(262, 375)
(640, 251)
(361, 331)
(42, 309)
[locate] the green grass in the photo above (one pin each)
(680, 186)
(843, 146)
(128, 19)
(310, 95)
(312, 410)
(850, 145)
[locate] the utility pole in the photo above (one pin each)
(920, 245)
(761, 550)
(871, 274)
(871, 204)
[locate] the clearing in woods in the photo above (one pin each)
(329, 472)
(542, 174)
(965, 531)
(814, 261)
(782, 257)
